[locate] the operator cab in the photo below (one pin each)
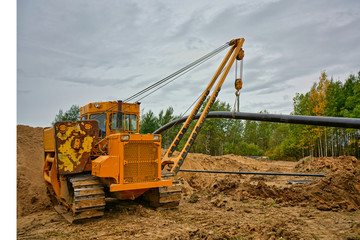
(113, 117)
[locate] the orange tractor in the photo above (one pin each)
(103, 154)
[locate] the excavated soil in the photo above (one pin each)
(214, 206)
(31, 190)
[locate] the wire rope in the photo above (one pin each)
(172, 77)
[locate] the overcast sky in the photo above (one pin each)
(77, 52)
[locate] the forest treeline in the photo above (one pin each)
(277, 140)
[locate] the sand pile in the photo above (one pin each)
(31, 189)
(329, 164)
(336, 192)
(340, 190)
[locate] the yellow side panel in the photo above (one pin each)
(74, 143)
(49, 139)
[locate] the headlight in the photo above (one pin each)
(125, 137)
(156, 137)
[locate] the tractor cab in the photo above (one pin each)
(129, 163)
(113, 117)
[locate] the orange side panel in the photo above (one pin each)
(54, 179)
(106, 167)
(49, 139)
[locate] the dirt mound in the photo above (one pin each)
(340, 190)
(328, 164)
(31, 189)
(210, 183)
(333, 193)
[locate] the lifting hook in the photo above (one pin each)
(238, 79)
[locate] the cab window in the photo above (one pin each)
(127, 122)
(101, 118)
(130, 122)
(85, 117)
(133, 123)
(113, 121)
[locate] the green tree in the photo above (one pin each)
(250, 134)
(164, 118)
(73, 114)
(213, 133)
(148, 122)
(300, 103)
(335, 99)
(264, 132)
(329, 98)
(245, 149)
(234, 131)
(351, 90)
(279, 135)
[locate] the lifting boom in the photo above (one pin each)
(235, 52)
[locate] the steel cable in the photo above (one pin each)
(176, 74)
(187, 67)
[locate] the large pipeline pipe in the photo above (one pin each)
(295, 119)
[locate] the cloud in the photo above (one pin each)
(23, 91)
(98, 82)
(89, 51)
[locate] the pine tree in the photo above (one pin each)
(73, 114)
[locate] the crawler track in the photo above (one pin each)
(87, 198)
(165, 197)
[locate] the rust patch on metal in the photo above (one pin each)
(74, 142)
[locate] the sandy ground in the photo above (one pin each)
(214, 206)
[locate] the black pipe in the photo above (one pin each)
(295, 119)
(254, 173)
